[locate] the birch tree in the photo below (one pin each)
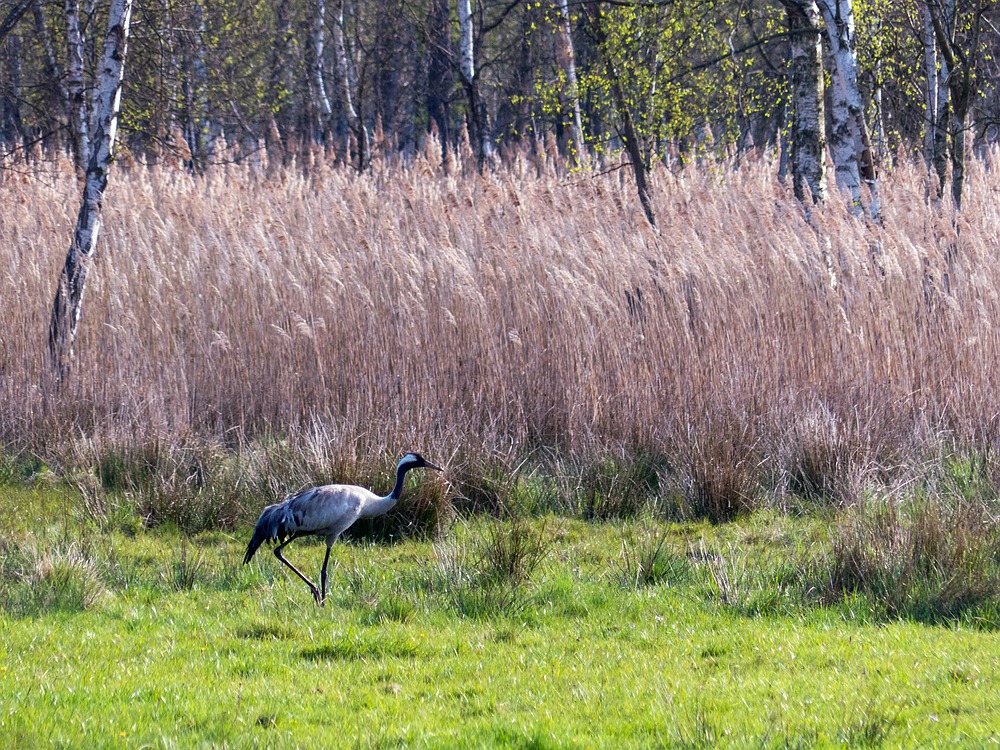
(849, 138)
(318, 36)
(53, 72)
(571, 93)
(68, 302)
(626, 127)
(478, 115)
(936, 102)
(354, 122)
(808, 119)
(79, 121)
(197, 123)
(959, 46)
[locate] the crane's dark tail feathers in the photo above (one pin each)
(271, 526)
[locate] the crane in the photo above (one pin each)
(326, 511)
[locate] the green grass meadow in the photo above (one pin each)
(123, 637)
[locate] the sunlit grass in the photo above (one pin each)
(241, 656)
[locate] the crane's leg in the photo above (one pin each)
(322, 587)
(296, 571)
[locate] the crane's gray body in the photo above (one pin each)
(326, 511)
(317, 511)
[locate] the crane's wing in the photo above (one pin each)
(329, 509)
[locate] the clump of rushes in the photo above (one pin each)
(930, 560)
(491, 576)
(647, 559)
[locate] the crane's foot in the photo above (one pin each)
(316, 596)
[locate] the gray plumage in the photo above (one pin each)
(326, 511)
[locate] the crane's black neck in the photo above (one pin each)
(397, 491)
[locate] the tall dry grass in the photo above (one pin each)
(516, 315)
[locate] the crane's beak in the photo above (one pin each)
(429, 465)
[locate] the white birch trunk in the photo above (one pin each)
(931, 89)
(808, 117)
(571, 95)
(848, 136)
(319, 84)
(938, 110)
(344, 88)
(467, 68)
(467, 57)
(69, 295)
(78, 120)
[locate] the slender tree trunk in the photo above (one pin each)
(439, 70)
(53, 76)
(930, 90)
(808, 119)
(354, 122)
(942, 127)
(69, 294)
(960, 82)
(11, 124)
(206, 128)
(53, 72)
(843, 142)
(850, 139)
(19, 8)
(881, 137)
(626, 125)
(938, 74)
(478, 116)
(784, 154)
(197, 126)
(79, 127)
(280, 84)
(322, 101)
(634, 149)
(571, 93)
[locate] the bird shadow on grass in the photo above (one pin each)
(362, 646)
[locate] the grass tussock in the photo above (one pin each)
(492, 575)
(931, 561)
(245, 336)
(647, 559)
(37, 579)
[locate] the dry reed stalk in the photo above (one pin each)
(469, 316)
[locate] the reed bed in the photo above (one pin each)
(518, 319)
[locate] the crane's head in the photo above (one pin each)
(416, 461)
